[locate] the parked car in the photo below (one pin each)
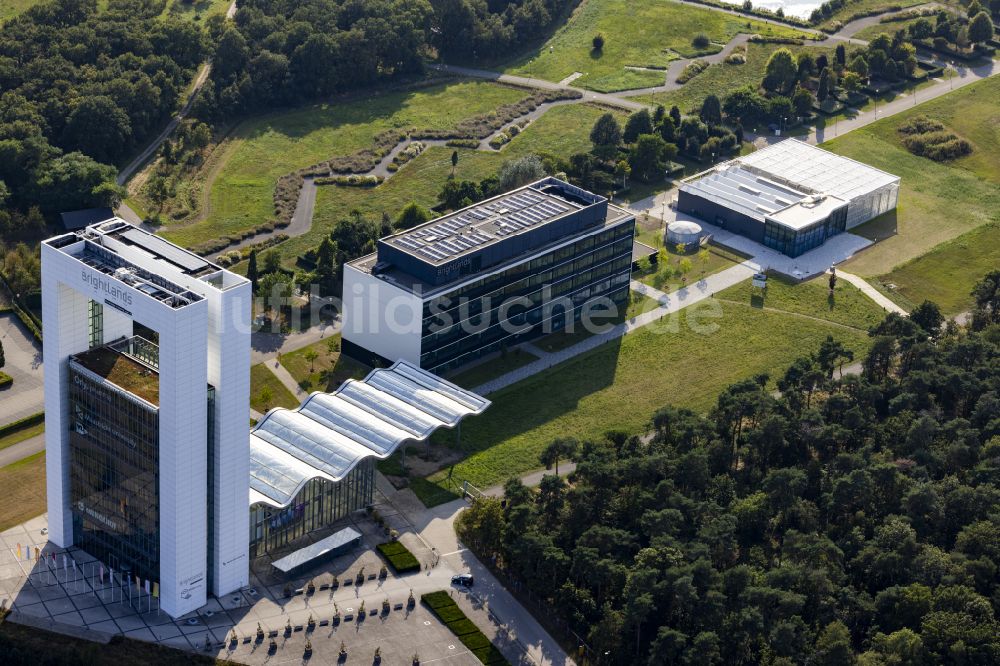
(465, 580)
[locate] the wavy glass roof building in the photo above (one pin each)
(791, 196)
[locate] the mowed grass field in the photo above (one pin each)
(23, 483)
(11, 8)
(637, 33)
(937, 201)
(947, 274)
(847, 307)
(562, 130)
(620, 385)
(267, 391)
(241, 174)
(327, 371)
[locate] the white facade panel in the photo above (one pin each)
(381, 317)
(202, 341)
(228, 364)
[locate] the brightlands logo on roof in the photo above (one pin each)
(106, 287)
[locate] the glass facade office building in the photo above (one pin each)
(114, 474)
(473, 282)
(550, 290)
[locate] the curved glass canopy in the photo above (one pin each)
(330, 433)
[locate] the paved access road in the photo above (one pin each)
(24, 363)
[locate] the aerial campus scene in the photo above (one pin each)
(536, 332)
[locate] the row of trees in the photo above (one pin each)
(81, 89)
(845, 520)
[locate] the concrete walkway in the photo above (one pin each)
(871, 292)
(21, 450)
(286, 378)
(669, 303)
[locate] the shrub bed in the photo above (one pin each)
(354, 180)
(21, 424)
(399, 557)
(462, 143)
(499, 140)
(5, 380)
(444, 607)
(693, 69)
(927, 137)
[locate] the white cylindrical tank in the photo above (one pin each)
(683, 232)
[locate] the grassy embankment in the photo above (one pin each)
(620, 385)
(641, 38)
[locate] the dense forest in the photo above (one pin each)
(844, 520)
(282, 52)
(81, 89)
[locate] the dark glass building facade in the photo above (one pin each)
(319, 504)
(794, 242)
(530, 298)
(114, 474)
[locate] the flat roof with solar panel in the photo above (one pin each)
(492, 231)
(484, 223)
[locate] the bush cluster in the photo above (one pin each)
(693, 69)
(927, 137)
(499, 140)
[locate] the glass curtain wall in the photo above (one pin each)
(114, 476)
(595, 266)
(320, 503)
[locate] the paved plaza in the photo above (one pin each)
(24, 364)
(74, 601)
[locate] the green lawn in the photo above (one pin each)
(11, 8)
(562, 130)
(873, 31)
(248, 164)
(640, 33)
(723, 78)
(197, 9)
(666, 272)
(328, 371)
(848, 307)
(493, 368)
(267, 391)
(620, 385)
(947, 273)
(24, 480)
(937, 201)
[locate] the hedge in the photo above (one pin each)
(21, 424)
(399, 557)
(443, 606)
(463, 626)
(5, 380)
(439, 599)
(490, 656)
(450, 614)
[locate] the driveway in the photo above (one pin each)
(24, 364)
